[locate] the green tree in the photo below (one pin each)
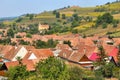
(28, 35)
(54, 12)
(5, 41)
(67, 42)
(57, 15)
(115, 22)
(75, 23)
(104, 25)
(63, 16)
(98, 74)
(19, 59)
(116, 72)
(108, 70)
(88, 19)
(19, 72)
(74, 31)
(102, 56)
(31, 16)
(105, 18)
(10, 33)
(19, 19)
(76, 73)
(114, 25)
(22, 42)
(33, 29)
(40, 44)
(51, 43)
(52, 69)
(104, 69)
(76, 17)
(2, 25)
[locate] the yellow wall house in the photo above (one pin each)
(43, 27)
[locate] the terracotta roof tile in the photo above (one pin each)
(11, 54)
(65, 53)
(114, 54)
(39, 53)
(5, 49)
(63, 46)
(30, 66)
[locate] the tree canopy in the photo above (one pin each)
(52, 69)
(105, 18)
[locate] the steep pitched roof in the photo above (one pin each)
(11, 54)
(114, 54)
(65, 53)
(108, 48)
(94, 57)
(75, 56)
(62, 46)
(39, 53)
(29, 47)
(30, 66)
(5, 49)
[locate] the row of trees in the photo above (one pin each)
(49, 69)
(58, 15)
(106, 19)
(30, 17)
(41, 44)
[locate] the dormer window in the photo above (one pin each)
(110, 42)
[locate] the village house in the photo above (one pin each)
(28, 54)
(10, 53)
(43, 27)
(83, 51)
(15, 52)
(30, 65)
(86, 50)
(78, 56)
(111, 50)
(38, 54)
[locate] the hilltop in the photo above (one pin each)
(73, 19)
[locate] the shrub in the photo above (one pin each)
(105, 18)
(104, 25)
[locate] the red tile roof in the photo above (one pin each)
(94, 57)
(39, 53)
(114, 54)
(29, 47)
(65, 53)
(75, 56)
(5, 49)
(11, 54)
(62, 46)
(30, 66)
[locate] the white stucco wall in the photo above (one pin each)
(21, 53)
(32, 56)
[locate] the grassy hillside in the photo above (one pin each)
(82, 27)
